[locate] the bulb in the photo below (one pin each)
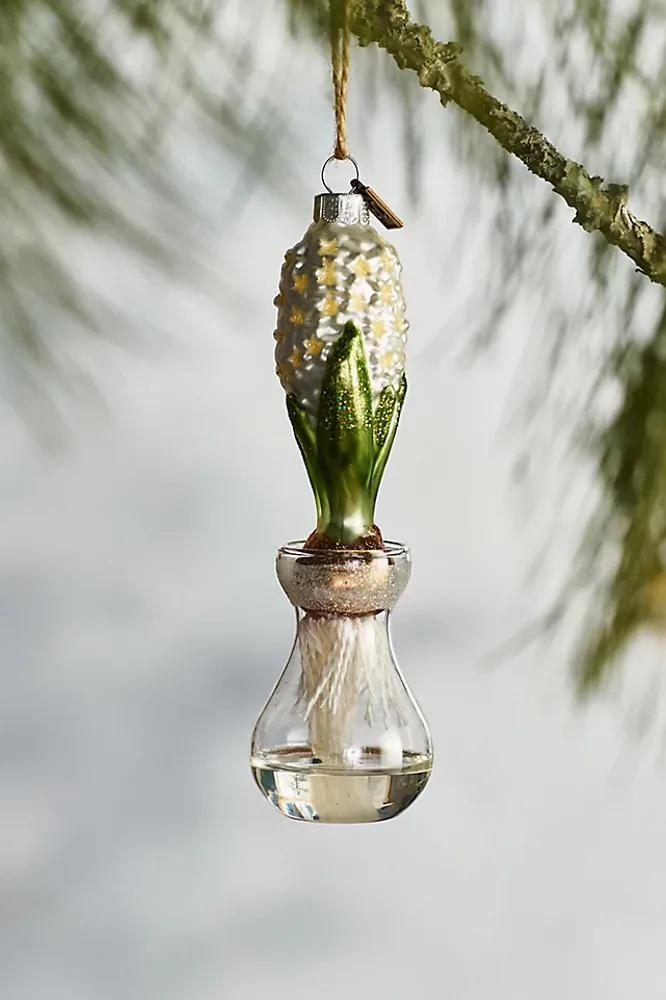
(341, 739)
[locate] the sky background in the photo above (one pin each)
(143, 630)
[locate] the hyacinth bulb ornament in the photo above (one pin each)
(341, 739)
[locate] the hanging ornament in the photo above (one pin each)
(341, 739)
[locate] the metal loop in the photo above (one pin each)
(330, 160)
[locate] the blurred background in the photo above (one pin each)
(156, 160)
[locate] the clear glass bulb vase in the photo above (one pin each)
(341, 739)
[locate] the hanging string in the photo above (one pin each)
(340, 67)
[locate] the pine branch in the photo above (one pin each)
(439, 68)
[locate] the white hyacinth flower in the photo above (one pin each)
(342, 270)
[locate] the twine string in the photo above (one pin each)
(340, 69)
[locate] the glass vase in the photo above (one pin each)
(341, 738)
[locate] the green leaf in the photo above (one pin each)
(345, 439)
(384, 415)
(345, 432)
(386, 430)
(305, 436)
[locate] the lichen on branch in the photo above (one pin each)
(438, 65)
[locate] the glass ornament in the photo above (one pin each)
(341, 739)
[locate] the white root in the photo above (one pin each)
(346, 666)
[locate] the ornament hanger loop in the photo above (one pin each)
(330, 160)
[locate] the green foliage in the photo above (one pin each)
(632, 519)
(89, 93)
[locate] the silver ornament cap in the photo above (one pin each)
(346, 208)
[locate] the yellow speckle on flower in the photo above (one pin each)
(386, 293)
(400, 322)
(388, 260)
(283, 371)
(278, 335)
(389, 359)
(327, 274)
(313, 346)
(378, 328)
(296, 358)
(357, 303)
(290, 258)
(300, 282)
(279, 299)
(297, 316)
(329, 306)
(328, 247)
(360, 267)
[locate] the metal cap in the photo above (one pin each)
(347, 208)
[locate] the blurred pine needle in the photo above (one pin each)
(89, 94)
